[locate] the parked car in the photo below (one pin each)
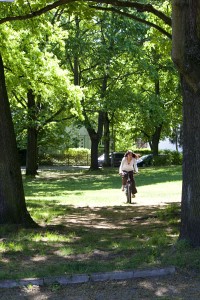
(115, 159)
(101, 159)
(145, 160)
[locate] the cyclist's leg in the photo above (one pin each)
(124, 180)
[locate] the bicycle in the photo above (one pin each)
(128, 187)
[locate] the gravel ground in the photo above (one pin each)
(177, 286)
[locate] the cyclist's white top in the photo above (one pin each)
(125, 166)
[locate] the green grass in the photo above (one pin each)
(86, 226)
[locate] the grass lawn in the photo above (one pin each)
(86, 226)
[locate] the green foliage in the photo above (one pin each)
(39, 55)
(169, 213)
(156, 97)
(168, 158)
(183, 256)
(142, 151)
(105, 52)
(162, 160)
(77, 151)
(175, 156)
(45, 159)
(71, 156)
(31, 61)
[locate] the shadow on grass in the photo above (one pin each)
(84, 240)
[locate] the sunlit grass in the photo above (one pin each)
(105, 189)
(86, 225)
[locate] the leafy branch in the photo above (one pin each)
(138, 6)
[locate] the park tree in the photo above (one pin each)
(158, 103)
(42, 92)
(185, 54)
(152, 103)
(83, 59)
(98, 51)
(12, 201)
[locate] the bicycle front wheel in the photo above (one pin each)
(128, 195)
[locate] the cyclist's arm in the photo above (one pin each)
(135, 167)
(121, 166)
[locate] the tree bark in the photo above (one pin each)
(190, 212)
(95, 138)
(158, 129)
(155, 140)
(185, 54)
(94, 151)
(12, 200)
(32, 150)
(106, 137)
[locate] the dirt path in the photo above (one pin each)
(177, 286)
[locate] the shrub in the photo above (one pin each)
(142, 151)
(72, 156)
(45, 159)
(162, 160)
(177, 158)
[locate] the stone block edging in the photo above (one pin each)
(83, 278)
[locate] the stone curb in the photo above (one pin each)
(83, 278)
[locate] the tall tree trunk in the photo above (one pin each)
(156, 136)
(176, 139)
(190, 213)
(95, 138)
(155, 140)
(185, 54)
(12, 201)
(94, 151)
(32, 151)
(106, 140)
(76, 72)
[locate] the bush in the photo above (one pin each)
(162, 160)
(177, 158)
(142, 151)
(77, 151)
(45, 159)
(72, 156)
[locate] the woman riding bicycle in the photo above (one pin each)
(129, 164)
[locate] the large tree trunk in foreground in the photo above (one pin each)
(186, 56)
(12, 201)
(190, 223)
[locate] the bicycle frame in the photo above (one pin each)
(128, 188)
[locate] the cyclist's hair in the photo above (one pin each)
(130, 151)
